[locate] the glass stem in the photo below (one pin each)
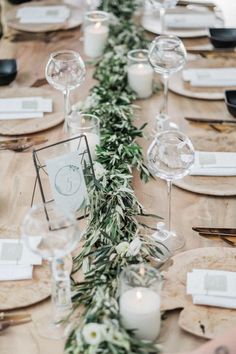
(169, 185)
(162, 19)
(61, 294)
(164, 108)
(66, 94)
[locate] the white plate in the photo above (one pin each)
(151, 22)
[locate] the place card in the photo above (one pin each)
(209, 77)
(190, 20)
(15, 252)
(43, 14)
(67, 182)
(26, 104)
(214, 164)
(211, 282)
(15, 272)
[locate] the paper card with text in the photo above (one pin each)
(67, 182)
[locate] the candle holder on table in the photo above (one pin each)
(139, 291)
(96, 31)
(140, 73)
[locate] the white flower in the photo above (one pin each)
(122, 248)
(93, 333)
(99, 170)
(134, 247)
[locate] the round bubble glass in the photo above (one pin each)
(170, 157)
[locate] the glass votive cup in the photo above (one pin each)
(88, 125)
(139, 291)
(96, 31)
(140, 73)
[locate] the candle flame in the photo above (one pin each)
(139, 295)
(98, 24)
(142, 271)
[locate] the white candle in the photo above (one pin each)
(93, 140)
(140, 310)
(140, 79)
(95, 39)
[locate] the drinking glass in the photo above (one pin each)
(51, 233)
(163, 5)
(167, 55)
(170, 157)
(65, 71)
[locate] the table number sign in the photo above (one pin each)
(67, 182)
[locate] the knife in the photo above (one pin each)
(14, 316)
(210, 5)
(216, 231)
(39, 139)
(211, 120)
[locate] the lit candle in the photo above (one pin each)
(140, 310)
(93, 140)
(140, 78)
(95, 39)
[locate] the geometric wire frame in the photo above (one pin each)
(79, 144)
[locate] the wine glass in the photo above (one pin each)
(163, 5)
(51, 233)
(167, 55)
(170, 157)
(65, 71)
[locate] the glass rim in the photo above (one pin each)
(104, 16)
(95, 125)
(66, 51)
(131, 56)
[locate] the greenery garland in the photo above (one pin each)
(113, 238)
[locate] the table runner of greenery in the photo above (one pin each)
(112, 240)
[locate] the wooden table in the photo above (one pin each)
(188, 209)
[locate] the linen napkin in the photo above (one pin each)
(214, 164)
(24, 107)
(212, 287)
(190, 20)
(43, 14)
(15, 252)
(15, 272)
(208, 77)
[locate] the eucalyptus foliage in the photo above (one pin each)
(112, 239)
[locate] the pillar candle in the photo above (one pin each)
(140, 79)
(95, 39)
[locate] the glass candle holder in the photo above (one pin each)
(87, 124)
(140, 73)
(139, 288)
(96, 30)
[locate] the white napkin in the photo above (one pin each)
(214, 164)
(208, 77)
(190, 20)
(212, 287)
(217, 301)
(43, 14)
(20, 115)
(15, 272)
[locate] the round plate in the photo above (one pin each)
(22, 293)
(202, 321)
(28, 126)
(183, 88)
(151, 22)
(75, 19)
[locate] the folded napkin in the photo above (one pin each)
(212, 287)
(190, 20)
(24, 107)
(208, 77)
(15, 272)
(214, 164)
(43, 14)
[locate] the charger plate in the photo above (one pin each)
(28, 126)
(183, 88)
(23, 293)
(75, 19)
(202, 321)
(151, 22)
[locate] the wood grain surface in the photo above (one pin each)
(188, 209)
